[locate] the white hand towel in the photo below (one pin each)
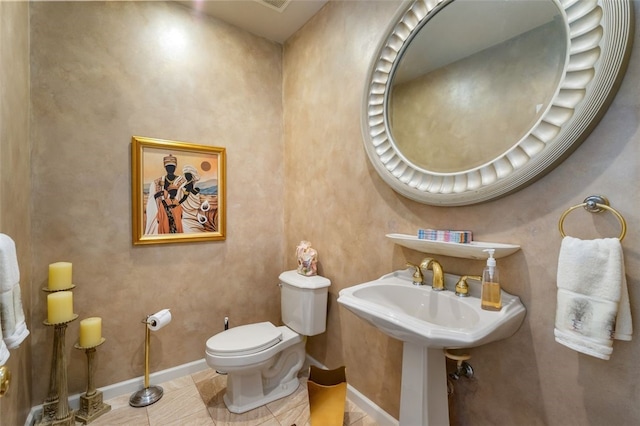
(593, 300)
(12, 320)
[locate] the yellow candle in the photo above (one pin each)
(59, 307)
(59, 275)
(90, 332)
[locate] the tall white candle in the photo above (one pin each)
(90, 332)
(59, 276)
(59, 307)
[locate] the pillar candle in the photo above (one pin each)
(59, 307)
(90, 332)
(59, 276)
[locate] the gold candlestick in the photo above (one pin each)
(56, 411)
(91, 404)
(51, 401)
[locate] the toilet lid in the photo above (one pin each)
(244, 340)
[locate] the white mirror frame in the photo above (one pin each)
(599, 35)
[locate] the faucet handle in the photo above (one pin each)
(462, 288)
(418, 278)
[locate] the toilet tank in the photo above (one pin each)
(303, 302)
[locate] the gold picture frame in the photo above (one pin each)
(178, 191)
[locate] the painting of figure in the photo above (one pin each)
(178, 191)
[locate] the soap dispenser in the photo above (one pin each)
(491, 298)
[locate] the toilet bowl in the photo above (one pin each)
(262, 360)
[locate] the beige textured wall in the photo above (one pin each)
(335, 199)
(14, 186)
(101, 72)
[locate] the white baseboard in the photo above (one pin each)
(127, 387)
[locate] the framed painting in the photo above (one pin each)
(178, 191)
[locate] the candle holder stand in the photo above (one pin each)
(55, 409)
(91, 404)
(149, 394)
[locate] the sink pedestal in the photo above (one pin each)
(423, 395)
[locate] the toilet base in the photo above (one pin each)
(279, 392)
(274, 379)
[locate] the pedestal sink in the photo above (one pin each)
(428, 321)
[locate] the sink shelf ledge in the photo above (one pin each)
(472, 250)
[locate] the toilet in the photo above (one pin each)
(262, 360)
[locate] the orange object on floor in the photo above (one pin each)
(327, 395)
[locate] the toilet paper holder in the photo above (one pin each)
(149, 394)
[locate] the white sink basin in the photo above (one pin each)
(428, 321)
(435, 319)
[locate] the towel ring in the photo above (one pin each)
(595, 204)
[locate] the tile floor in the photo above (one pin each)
(196, 400)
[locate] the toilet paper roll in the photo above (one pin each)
(159, 319)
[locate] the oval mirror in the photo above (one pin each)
(468, 100)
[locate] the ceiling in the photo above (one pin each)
(276, 20)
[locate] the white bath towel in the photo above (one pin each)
(593, 300)
(12, 321)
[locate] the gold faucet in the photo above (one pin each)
(438, 276)
(462, 288)
(418, 278)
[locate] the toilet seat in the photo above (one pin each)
(244, 340)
